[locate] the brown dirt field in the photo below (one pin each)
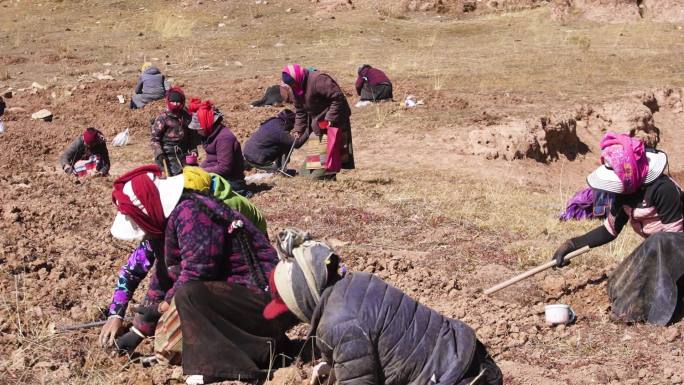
(419, 211)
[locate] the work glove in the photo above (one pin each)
(127, 343)
(564, 249)
(148, 314)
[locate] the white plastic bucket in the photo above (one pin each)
(558, 314)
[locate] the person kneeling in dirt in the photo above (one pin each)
(373, 85)
(269, 147)
(171, 139)
(277, 96)
(321, 106)
(644, 285)
(87, 152)
(367, 330)
(222, 148)
(150, 87)
(210, 288)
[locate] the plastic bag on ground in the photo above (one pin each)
(121, 139)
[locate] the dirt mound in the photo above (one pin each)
(456, 6)
(633, 114)
(543, 139)
(547, 138)
(628, 116)
(618, 11)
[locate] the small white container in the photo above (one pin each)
(559, 314)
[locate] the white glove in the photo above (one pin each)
(322, 373)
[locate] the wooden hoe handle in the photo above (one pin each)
(534, 271)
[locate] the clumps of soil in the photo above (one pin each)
(547, 138)
(633, 115)
(543, 139)
(456, 6)
(328, 7)
(291, 375)
(625, 116)
(619, 11)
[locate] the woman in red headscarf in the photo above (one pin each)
(210, 275)
(222, 148)
(91, 148)
(171, 139)
(321, 106)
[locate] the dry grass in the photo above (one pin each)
(170, 25)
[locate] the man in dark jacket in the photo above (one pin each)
(268, 147)
(171, 139)
(369, 331)
(222, 148)
(88, 145)
(150, 87)
(373, 85)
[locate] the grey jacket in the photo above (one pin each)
(374, 334)
(150, 87)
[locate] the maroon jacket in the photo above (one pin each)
(322, 100)
(371, 75)
(224, 154)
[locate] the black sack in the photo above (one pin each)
(644, 285)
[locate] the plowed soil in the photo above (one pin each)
(418, 211)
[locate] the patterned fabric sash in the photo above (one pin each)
(168, 339)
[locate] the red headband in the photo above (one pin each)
(205, 115)
(146, 191)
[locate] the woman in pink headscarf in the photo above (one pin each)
(320, 103)
(644, 286)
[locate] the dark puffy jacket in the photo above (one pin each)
(272, 140)
(224, 154)
(372, 333)
(150, 87)
(77, 150)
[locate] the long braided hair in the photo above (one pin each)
(236, 229)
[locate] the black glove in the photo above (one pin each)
(564, 249)
(160, 158)
(148, 314)
(127, 343)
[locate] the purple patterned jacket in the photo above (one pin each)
(196, 248)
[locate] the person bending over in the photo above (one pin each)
(87, 152)
(369, 331)
(270, 145)
(646, 284)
